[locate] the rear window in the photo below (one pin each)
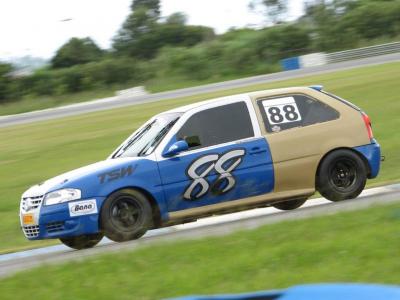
(285, 112)
(342, 100)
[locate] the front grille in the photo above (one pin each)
(31, 203)
(31, 231)
(55, 227)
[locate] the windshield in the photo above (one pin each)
(147, 138)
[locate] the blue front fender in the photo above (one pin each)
(144, 175)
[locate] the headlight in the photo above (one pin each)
(61, 196)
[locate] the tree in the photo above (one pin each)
(76, 51)
(136, 32)
(373, 19)
(175, 32)
(177, 18)
(6, 82)
(142, 34)
(344, 24)
(152, 7)
(282, 41)
(274, 9)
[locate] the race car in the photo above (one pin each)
(319, 291)
(267, 148)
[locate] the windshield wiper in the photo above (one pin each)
(157, 138)
(134, 139)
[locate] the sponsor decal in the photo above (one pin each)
(116, 174)
(81, 208)
(276, 128)
(222, 164)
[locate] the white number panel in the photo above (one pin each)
(281, 110)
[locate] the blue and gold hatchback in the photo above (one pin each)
(268, 148)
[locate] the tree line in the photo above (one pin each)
(148, 46)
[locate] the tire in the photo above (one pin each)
(82, 241)
(342, 175)
(289, 205)
(126, 215)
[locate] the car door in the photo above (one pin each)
(227, 159)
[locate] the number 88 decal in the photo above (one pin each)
(282, 110)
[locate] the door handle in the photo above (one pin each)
(257, 150)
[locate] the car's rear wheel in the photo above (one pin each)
(126, 215)
(289, 205)
(82, 241)
(342, 175)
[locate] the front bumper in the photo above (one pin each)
(55, 221)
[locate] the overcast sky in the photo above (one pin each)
(35, 27)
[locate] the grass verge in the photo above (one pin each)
(35, 152)
(155, 85)
(360, 246)
(31, 103)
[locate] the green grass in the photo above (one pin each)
(166, 83)
(154, 85)
(34, 152)
(31, 103)
(360, 246)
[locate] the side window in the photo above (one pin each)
(294, 111)
(217, 125)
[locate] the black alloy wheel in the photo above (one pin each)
(82, 241)
(126, 215)
(341, 175)
(290, 204)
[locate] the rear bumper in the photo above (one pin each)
(372, 153)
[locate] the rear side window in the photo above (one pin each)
(281, 113)
(217, 125)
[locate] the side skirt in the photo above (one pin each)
(192, 214)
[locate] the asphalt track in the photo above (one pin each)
(213, 226)
(115, 102)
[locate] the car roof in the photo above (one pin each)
(257, 94)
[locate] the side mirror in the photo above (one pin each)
(176, 148)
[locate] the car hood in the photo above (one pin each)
(64, 180)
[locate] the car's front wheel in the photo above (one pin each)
(126, 215)
(342, 175)
(82, 241)
(289, 205)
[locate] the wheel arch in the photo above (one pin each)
(363, 158)
(157, 219)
